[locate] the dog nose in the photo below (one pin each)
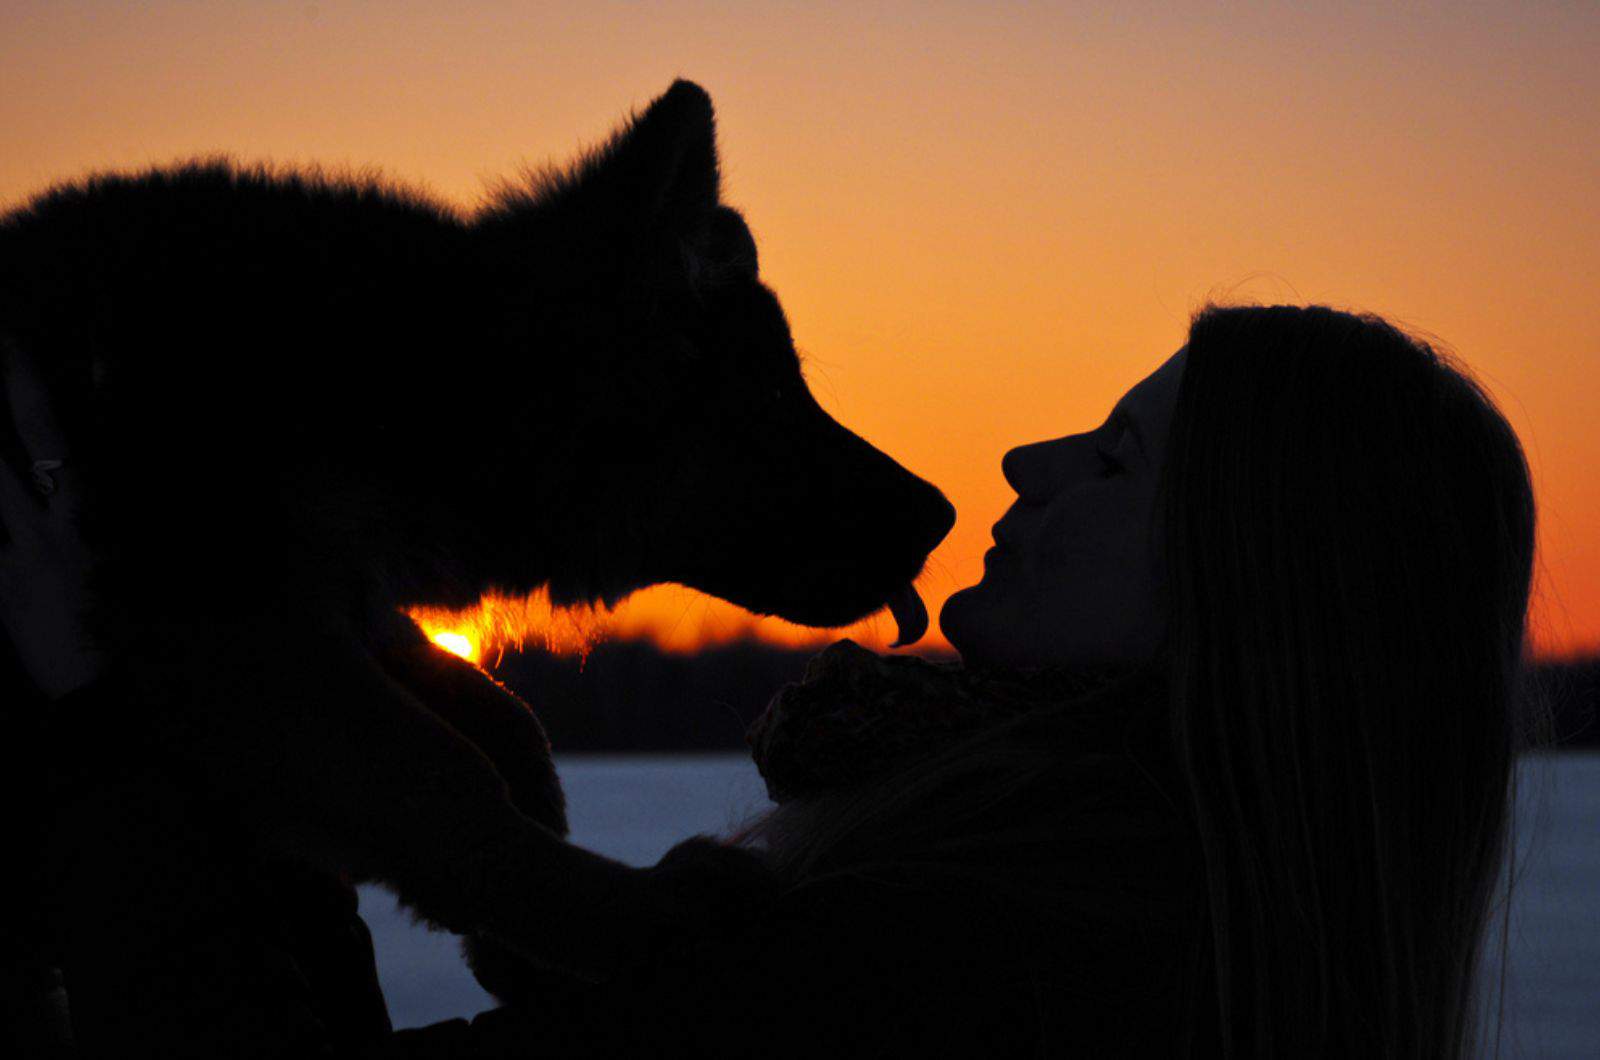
(936, 517)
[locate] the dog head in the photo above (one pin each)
(677, 440)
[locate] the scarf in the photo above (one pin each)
(855, 713)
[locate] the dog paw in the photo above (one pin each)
(717, 891)
(574, 911)
(511, 976)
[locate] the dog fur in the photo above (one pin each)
(300, 402)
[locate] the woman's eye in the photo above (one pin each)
(1110, 461)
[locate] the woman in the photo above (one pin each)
(1228, 771)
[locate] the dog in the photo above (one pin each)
(301, 402)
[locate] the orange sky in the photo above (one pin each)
(985, 220)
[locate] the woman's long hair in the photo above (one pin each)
(1349, 528)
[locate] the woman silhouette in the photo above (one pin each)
(1319, 532)
(1227, 771)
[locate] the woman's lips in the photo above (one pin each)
(997, 558)
(1002, 537)
(1004, 544)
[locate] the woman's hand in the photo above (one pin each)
(44, 564)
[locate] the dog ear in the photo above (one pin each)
(725, 251)
(661, 169)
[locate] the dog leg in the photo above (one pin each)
(327, 753)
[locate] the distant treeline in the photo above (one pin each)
(1571, 690)
(631, 696)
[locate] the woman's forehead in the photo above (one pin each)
(1151, 399)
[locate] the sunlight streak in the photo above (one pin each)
(456, 644)
(675, 619)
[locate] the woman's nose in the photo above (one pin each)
(1034, 470)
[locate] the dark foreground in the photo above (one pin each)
(634, 807)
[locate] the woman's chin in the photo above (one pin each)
(997, 626)
(971, 623)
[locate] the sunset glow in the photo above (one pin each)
(502, 623)
(455, 643)
(985, 221)
(675, 619)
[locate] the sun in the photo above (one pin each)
(456, 644)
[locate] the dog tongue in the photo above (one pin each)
(909, 614)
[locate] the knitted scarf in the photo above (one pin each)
(855, 713)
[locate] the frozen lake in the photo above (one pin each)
(634, 808)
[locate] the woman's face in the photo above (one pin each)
(1075, 576)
